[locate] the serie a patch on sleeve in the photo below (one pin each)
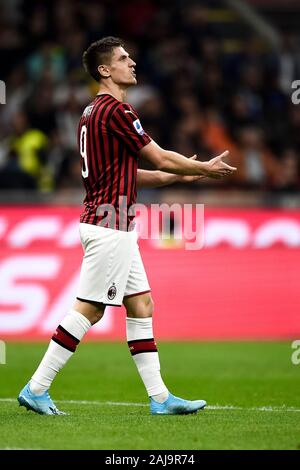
(138, 127)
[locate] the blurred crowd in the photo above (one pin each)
(199, 90)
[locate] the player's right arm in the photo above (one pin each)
(172, 162)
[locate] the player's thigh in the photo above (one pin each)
(137, 299)
(137, 281)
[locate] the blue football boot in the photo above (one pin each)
(41, 404)
(175, 406)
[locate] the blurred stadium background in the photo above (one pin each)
(212, 75)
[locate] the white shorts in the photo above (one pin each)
(112, 267)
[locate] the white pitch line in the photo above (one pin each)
(18, 448)
(209, 407)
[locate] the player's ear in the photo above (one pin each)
(103, 71)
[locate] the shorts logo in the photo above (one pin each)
(138, 127)
(112, 292)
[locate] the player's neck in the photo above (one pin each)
(115, 91)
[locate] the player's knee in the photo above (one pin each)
(150, 306)
(140, 306)
(146, 307)
(96, 316)
(93, 311)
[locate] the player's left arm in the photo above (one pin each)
(125, 124)
(156, 178)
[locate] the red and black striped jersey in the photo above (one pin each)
(109, 138)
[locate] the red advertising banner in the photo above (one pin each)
(243, 284)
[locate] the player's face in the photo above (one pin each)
(122, 68)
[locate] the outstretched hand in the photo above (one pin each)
(216, 168)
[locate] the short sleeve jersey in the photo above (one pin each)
(110, 136)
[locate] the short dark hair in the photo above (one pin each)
(98, 53)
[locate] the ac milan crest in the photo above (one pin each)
(112, 292)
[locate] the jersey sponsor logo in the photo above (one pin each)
(138, 127)
(112, 292)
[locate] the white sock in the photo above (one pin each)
(143, 349)
(62, 346)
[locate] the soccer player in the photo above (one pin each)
(111, 141)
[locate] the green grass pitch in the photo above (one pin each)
(252, 390)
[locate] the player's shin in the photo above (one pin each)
(144, 353)
(62, 346)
